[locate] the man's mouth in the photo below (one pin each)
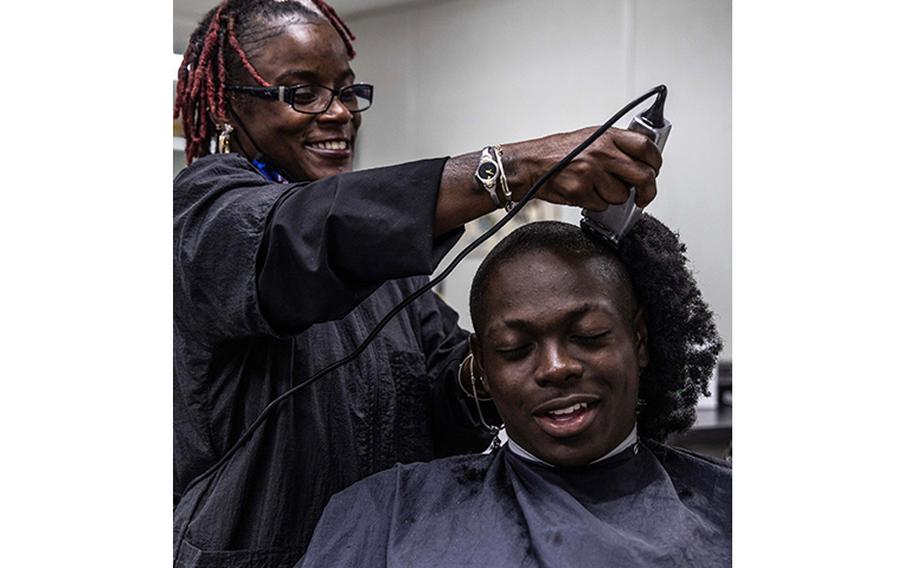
(568, 419)
(567, 412)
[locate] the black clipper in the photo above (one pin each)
(615, 222)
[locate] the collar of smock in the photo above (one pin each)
(628, 441)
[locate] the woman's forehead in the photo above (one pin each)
(303, 49)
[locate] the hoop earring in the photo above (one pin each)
(473, 395)
(493, 430)
(224, 139)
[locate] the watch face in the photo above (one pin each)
(486, 170)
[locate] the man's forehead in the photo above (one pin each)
(548, 273)
(546, 263)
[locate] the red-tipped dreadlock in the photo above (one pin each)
(214, 46)
(343, 30)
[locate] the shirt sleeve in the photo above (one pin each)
(252, 257)
(330, 244)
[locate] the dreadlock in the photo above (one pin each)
(683, 343)
(216, 53)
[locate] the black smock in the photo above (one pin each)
(273, 282)
(650, 506)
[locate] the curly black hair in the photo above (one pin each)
(683, 343)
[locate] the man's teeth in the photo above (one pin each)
(569, 409)
(331, 145)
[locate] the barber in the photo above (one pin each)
(284, 260)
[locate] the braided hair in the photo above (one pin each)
(219, 51)
(683, 343)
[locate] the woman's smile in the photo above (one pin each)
(331, 148)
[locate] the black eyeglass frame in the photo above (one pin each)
(286, 94)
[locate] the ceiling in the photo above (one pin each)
(187, 13)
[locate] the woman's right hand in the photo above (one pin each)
(596, 178)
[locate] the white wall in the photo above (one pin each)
(454, 76)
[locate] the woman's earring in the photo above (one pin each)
(224, 139)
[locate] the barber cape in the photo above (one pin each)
(650, 505)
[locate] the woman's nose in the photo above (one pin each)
(336, 112)
(556, 366)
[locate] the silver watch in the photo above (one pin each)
(488, 173)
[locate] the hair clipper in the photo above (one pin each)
(615, 222)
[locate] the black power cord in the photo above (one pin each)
(402, 305)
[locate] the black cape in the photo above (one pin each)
(649, 506)
(272, 283)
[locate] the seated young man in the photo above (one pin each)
(592, 357)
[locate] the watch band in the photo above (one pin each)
(506, 192)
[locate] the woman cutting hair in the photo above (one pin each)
(284, 261)
(591, 357)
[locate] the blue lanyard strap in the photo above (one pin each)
(268, 172)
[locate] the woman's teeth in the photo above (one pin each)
(331, 145)
(569, 409)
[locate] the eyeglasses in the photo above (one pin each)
(314, 99)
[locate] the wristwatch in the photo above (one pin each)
(488, 173)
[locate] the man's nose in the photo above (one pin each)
(556, 366)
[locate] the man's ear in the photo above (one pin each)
(640, 326)
(481, 382)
